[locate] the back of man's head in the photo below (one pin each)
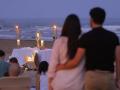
(2, 53)
(98, 15)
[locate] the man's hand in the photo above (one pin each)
(70, 64)
(117, 82)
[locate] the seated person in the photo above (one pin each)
(4, 66)
(14, 70)
(36, 61)
(41, 78)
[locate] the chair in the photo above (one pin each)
(15, 83)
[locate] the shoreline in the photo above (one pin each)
(9, 44)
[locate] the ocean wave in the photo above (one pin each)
(7, 36)
(45, 31)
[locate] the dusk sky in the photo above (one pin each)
(55, 8)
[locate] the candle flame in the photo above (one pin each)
(42, 43)
(18, 42)
(54, 27)
(28, 59)
(37, 35)
(16, 26)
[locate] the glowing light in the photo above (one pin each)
(42, 43)
(18, 42)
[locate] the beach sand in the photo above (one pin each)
(8, 45)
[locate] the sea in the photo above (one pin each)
(29, 27)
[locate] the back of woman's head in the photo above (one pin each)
(71, 26)
(43, 67)
(71, 30)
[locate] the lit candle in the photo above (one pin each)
(18, 42)
(42, 43)
(29, 59)
(30, 62)
(38, 35)
(54, 27)
(38, 39)
(54, 30)
(17, 31)
(16, 26)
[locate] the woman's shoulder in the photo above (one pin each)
(61, 40)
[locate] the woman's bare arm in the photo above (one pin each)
(49, 83)
(74, 62)
(117, 55)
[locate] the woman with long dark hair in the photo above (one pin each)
(64, 49)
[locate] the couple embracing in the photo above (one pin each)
(83, 62)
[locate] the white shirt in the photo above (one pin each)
(43, 82)
(64, 79)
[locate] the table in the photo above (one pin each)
(21, 53)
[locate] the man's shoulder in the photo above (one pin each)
(6, 63)
(3, 63)
(111, 33)
(87, 34)
(104, 30)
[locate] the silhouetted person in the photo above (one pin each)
(4, 66)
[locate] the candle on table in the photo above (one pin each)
(17, 31)
(29, 59)
(16, 26)
(54, 31)
(42, 43)
(18, 42)
(54, 27)
(38, 39)
(29, 62)
(38, 35)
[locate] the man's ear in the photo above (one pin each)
(91, 22)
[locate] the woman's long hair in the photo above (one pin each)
(71, 30)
